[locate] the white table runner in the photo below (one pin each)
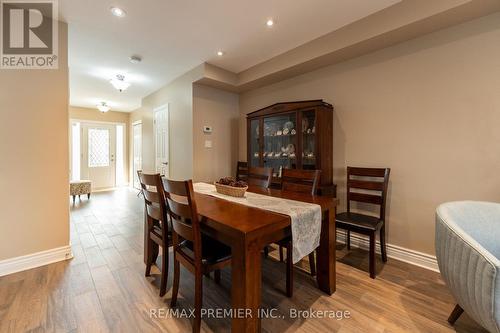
(305, 217)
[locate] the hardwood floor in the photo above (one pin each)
(103, 289)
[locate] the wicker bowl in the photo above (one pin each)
(238, 192)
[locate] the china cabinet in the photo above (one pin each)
(296, 135)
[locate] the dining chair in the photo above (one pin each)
(368, 186)
(242, 171)
(200, 254)
(258, 176)
(158, 228)
(298, 180)
(303, 181)
(262, 177)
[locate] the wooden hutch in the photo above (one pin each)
(296, 135)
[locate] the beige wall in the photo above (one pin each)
(146, 118)
(178, 94)
(34, 176)
(94, 115)
(427, 108)
(218, 109)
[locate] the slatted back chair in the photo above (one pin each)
(297, 180)
(158, 230)
(373, 184)
(198, 253)
(182, 210)
(242, 171)
(258, 176)
(368, 186)
(303, 181)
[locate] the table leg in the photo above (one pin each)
(246, 286)
(326, 254)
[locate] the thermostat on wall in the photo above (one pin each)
(207, 129)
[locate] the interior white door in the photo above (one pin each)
(137, 132)
(98, 154)
(162, 140)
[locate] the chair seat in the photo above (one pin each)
(360, 221)
(284, 241)
(213, 251)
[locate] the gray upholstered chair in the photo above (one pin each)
(468, 254)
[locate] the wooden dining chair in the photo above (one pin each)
(158, 227)
(258, 176)
(242, 171)
(369, 186)
(200, 254)
(297, 180)
(303, 181)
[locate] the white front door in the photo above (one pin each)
(137, 163)
(161, 140)
(98, 154)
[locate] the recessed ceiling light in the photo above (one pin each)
(220, 53)
(103, 107)
(118, 12)
(270, 23)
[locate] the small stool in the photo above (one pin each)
(79, 187)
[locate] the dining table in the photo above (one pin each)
(247, 230)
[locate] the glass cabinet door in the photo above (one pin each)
(280, 142)
(254, 143)
(308, 130)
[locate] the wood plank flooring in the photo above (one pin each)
(103, 289)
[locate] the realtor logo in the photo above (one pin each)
(29, 36)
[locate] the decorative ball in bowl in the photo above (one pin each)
(231, 186)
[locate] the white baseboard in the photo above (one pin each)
(22, 263)
(393, 251)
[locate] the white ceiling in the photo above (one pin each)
(174, 36)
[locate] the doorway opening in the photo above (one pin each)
(162, 142)
(137, 153)
(98, 153)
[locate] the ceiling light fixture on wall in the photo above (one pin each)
(220, 53)
(270, 22)
(119, 83)
(103, 107)
(118, 12)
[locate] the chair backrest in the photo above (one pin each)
(183, 213)
(258, 176)
(298, 180)
(154, 199)
(242, 171)
(369, 185)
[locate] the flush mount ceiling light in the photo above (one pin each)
(270, 22)
(103, 107)
(220, 53)
(119, 83)
(135, 59)
(118, 12)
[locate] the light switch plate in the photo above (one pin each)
(208, 144)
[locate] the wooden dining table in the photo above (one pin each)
(247, 231)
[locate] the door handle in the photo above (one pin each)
(165, 163)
